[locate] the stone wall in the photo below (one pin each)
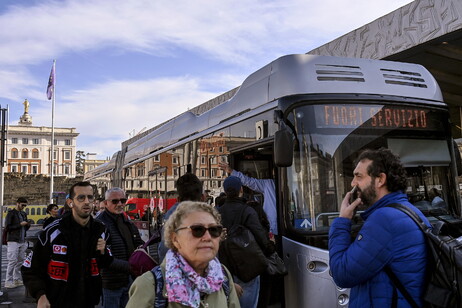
(35, 187)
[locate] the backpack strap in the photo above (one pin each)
(226, 287)
(394, 279)
(160, 301)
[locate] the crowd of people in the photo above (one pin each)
(81, 258)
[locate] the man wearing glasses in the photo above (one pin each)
(64, 268)
(125, 238)
(16, 223)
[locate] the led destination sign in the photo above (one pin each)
(341, 116)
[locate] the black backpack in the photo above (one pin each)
(240, 252)
(444, 285)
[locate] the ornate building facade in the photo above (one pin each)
(29, 148)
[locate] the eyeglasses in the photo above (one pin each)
(199, 230)
(81, 198)
(116, 201)
(23, 204)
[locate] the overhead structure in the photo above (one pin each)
(425, 32)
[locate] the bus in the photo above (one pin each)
(35, 213)
(302, 120)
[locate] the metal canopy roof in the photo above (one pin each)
(424, 32)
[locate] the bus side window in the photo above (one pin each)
(27, 211)
(32, 211)
(44, 211)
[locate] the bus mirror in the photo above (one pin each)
(283, 148)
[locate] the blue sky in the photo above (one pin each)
(125, 65)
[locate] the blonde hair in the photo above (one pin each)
(184, 209)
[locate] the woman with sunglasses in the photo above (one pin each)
(191, 274)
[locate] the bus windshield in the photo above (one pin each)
(328, 139)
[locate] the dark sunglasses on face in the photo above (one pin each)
(116, 201)
(81, 198)
(199, 230)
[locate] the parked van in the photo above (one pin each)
(135, 207)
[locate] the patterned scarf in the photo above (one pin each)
(184, 285)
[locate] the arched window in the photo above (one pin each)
(25, 153)
(35, 153)
(14, 153)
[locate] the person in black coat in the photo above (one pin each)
(52, 210)
(64, 268)
(234, 206)
(125, 238)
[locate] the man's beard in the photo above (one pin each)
(368, 195)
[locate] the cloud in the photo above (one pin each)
(232, 31)
(115, 109)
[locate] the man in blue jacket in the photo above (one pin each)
(388, 238)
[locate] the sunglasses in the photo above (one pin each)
(116, 201)
(23, 204)
(199, 231)
(81, 198)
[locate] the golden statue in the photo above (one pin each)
(26, 106)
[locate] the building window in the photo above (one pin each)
(25, 140)
(34, 169)
(175, 172)
(24, 169)
(67, 169)
(202, 160)
(55, 155)
(175, 160)
(67, 142)
(35, 153)
(14, 153)
(67, 155)
(14, 140)
(14, 168)
(36, 141)
(203, 173)
(25, 153)
(156, 158)
(220, 149)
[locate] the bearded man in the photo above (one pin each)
(389, 238)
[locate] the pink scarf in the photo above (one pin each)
(184, 285)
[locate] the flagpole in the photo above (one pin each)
(52, 131)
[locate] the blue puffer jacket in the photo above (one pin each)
(388, 238)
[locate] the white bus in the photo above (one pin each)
(302, 120)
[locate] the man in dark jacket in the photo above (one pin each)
(230, 211)
(63, 271)
(16, 223)
(388, 239)
(125, 238)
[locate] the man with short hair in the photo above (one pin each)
(189, 188)
(235, 211)
(125, 238)
(16, 224)
(263, 186)
(64, 268)
(389, 238)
